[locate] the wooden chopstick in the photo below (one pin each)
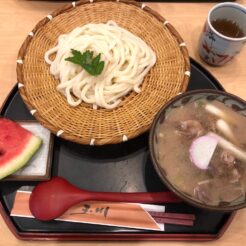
(173, 218)
(172, 215)
(174, 221)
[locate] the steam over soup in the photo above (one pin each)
(202, 151)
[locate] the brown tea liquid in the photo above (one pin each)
(228, 28)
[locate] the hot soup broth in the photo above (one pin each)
(201, 150)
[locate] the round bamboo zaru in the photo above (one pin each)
(82, 124)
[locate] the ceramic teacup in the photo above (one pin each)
(216, 48)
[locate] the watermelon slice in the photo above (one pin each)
(17, 146)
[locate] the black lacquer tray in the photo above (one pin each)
(123, 167)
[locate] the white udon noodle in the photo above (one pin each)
(127, 60)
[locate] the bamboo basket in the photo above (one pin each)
(82, 124)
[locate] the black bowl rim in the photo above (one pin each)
(155, 162)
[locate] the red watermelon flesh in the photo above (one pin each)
(17, 146)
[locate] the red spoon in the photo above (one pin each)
(52, 198)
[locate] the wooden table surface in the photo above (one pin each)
(18, 17)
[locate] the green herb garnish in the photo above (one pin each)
(92, 65)
(200, 103)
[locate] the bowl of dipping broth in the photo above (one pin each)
(198, 147)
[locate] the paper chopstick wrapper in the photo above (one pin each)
(128, 215)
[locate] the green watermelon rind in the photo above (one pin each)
(21, 159)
